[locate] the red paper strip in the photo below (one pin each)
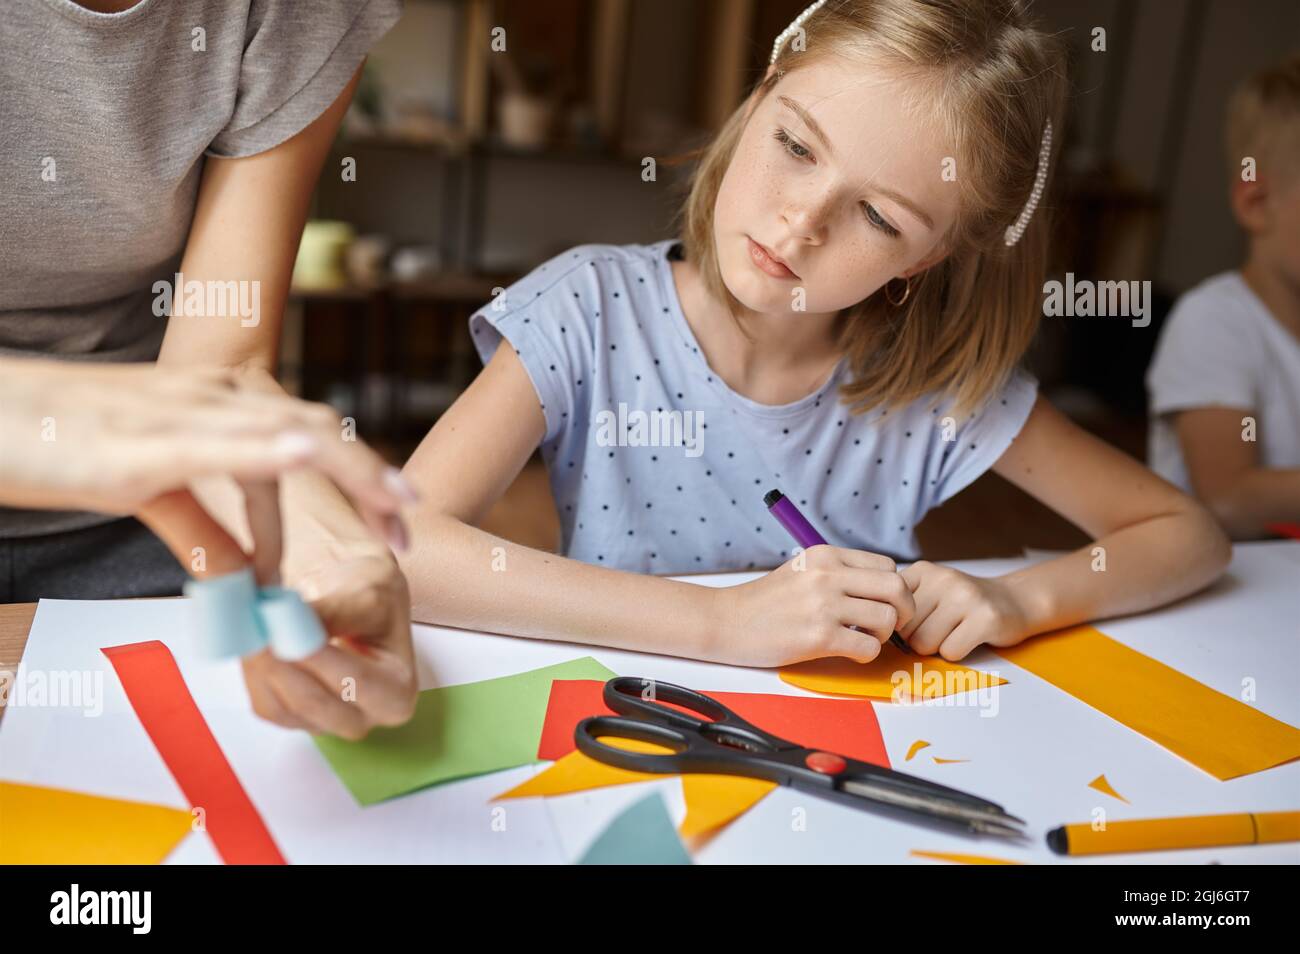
(845, 726)
(165, 708)
(1291, 530)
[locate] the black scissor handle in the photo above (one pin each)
(624, 694)
(692, 751)
(725, 744)
(588, 733)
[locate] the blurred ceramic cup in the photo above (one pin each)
(320, 262)
(367, 259)
(415, 262)
(525, 119)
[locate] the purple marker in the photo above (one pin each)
(806, 535)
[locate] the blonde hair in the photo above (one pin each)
(1264, 121)
(992, 83)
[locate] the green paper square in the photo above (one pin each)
(456, 732)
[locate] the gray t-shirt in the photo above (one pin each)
(105, 120)
(657, 466)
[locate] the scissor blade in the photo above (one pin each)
(989, 820)
(923, 788)
(1001, 831)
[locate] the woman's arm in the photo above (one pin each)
(461, 576)
(1157, 543)
(111, 437)
(1227, 478)
(246, 228)
(247, 225)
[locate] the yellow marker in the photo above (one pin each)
(1163, 834)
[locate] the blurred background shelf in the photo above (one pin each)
(474, 164)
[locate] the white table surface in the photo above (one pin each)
(1030, 747)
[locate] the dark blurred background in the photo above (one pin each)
(473, 166)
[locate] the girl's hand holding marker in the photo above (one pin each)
(804, 609)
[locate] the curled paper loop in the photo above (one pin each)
(233, 618)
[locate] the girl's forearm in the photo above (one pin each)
(462, 576)
(1136, 568)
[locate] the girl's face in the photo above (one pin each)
(836, 178)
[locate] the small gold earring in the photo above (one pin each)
(907, 290)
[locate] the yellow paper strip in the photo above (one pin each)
(939, 761)
(963, 859)
(1213, 731)
(711, 800)
(917, 746)
(1101, 785)
(916, 677)
(47, 826)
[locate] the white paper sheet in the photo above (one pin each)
(1036, 756)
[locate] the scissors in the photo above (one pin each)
(712, 739)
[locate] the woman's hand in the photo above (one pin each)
(956, 612)
(112, 438)
(804, 608)
(365, 676)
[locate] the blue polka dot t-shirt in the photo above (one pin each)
(657, 466)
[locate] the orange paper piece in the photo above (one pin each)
(577, 772)
(716, 800)
(893, 676)
(48, 826)
(917, 746)
(1101, 785)
(963, 859)
(711, 800)
(1213, 731)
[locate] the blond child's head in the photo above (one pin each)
(1263, 152)
(933, 115)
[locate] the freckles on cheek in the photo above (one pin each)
(864, 269)
(760, 170)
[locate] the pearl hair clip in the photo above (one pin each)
(1015, 230)
(793, 28)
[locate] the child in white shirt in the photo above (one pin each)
(1225, 382)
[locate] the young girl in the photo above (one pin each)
(858, 277)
